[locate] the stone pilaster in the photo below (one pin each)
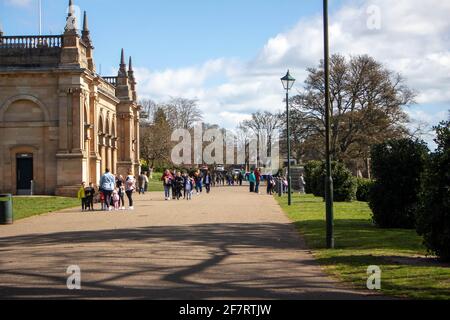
(77, 121)
(63, 108)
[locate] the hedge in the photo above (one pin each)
(344, 183)
(312, 171)
(397, 167)
(433, 218)
(363, 190)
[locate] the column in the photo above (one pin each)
(102, 153)
(114, 155)
(109, 153)
(63, 101)
(77, 122)
(95, 161)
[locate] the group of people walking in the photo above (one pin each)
(179, 185)
(276, 184)
(229, 179)
(256, 178)
(113, 189)
(110, 194)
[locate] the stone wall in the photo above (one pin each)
(28, 124)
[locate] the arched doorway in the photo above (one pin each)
(24, 144)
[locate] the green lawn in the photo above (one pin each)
(156, 185)
(359, 244)
(25, 207)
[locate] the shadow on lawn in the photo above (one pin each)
(177, 268)
(360, 234)
(412, 280)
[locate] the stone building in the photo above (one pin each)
(60, 122)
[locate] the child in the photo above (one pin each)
(207, 180)
(82, 196)
(188, 188)
(285, 185)
(116, 199)
(179, 185)
(102, 200)
(122, 196)
(90, 193)
(270, 185)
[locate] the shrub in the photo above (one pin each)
(145, 168)
(312, 173)
(364, 189)
(397, 168)
(344, 182)
(433, 218)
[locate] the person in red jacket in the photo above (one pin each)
(258, 180)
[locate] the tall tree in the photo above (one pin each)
(264, 126)
(149, 108)
(156, 144)
(183, 113)
(244, 136)
(367, 108)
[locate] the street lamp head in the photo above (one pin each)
(288, 81)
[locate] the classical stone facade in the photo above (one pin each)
(60, 122)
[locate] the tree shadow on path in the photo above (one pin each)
(206, 261)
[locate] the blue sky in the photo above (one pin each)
(231, 54)
(166, 34)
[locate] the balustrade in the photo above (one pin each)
(30, 42)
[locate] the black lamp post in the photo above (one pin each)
(329, 190)
(288, 82)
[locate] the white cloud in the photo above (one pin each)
(414, 39)
(423, 115)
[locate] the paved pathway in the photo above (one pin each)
(228, 245)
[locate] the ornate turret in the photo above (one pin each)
(123, 66)
(86, 38)
(73, 53)
(85, 33)
(71, 21)
(130, 69)
(132, 79)
(123, 88)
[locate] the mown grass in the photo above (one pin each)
(155, 184)
(25, 207)
(359, 244)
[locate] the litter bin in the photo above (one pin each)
(6, 209)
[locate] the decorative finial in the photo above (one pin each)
(71, 24)
(130, 65)
(130, 70)
(71, 9)
(85, 34)
(123, 66)
(122, 57)
(85, 22)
